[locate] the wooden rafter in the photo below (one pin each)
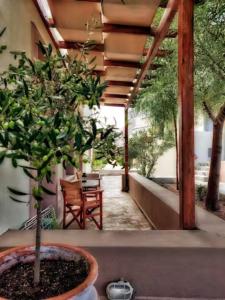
(117, 96)
(139, 30)
(79, 45)
(162, 3)
(47, 23)
(114, 104)
(160, 53)
(122, 63)
(99, 72)
(162, 31)
(120, 83)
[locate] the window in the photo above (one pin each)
(35, 38)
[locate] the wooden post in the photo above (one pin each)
(186, 109)
(126, 155)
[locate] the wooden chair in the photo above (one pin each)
(94, 176)
(73, 203)
(92, 202)
(82, 205)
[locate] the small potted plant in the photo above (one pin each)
(41, 127)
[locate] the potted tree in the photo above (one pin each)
(41, 126)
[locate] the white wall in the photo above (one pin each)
(203, 141)
(16, 16)
(166, 165)
(12, 214)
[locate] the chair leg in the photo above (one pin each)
(64, 217)
(101, 219)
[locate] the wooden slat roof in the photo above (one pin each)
(120, 32)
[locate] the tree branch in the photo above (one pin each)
(208, 111)
(221, 115)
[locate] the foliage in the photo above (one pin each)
(209, 50)
(158, 97)
(41, 122)
(145, 147)
(210, 88)
(201, 192)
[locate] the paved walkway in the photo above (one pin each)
(119, 210)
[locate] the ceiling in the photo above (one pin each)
(120, 32)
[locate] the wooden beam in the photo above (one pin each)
(114, 104)
(122, 63)
(162, 3)
(126, 151)
(79, 45)
(186, 109)
(47, 24)
(139, 30)
(155, 66)
(116, 96)
(120, 83)
(162, 32)
(99, 72)
(160, 53)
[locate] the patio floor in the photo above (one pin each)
(119, 210)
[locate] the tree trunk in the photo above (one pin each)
(37, 246)
(177, 152)
(212, 196)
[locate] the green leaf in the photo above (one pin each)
(14, 162)
(57, 120)
(16, 192)
(26, 90)
(29, 174)
(27, 167)
(2, 31)
(17, 200)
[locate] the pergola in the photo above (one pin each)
(120, 32)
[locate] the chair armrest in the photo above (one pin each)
(92, 192)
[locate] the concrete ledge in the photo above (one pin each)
(161, 207)
(169, 264)
(134, 239)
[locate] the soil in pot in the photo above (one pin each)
(57, 277)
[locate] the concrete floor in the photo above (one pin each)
(119, 210)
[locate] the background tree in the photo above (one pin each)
(158, 97)
(145, 148)
(210, 78)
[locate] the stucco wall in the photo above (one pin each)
(160, 206)
(17, 16)
(166, 165)
(12, 214)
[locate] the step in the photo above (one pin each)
(201, 173)
(203, 164)
(204, 168)
(201, 178)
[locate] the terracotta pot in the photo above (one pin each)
(85, 291)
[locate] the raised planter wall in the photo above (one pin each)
(159, 205)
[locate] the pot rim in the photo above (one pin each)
(90, 279)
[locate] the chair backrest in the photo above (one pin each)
(78, 174)
(95, 176)
(71, 191)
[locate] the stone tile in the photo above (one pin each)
(119, 210)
